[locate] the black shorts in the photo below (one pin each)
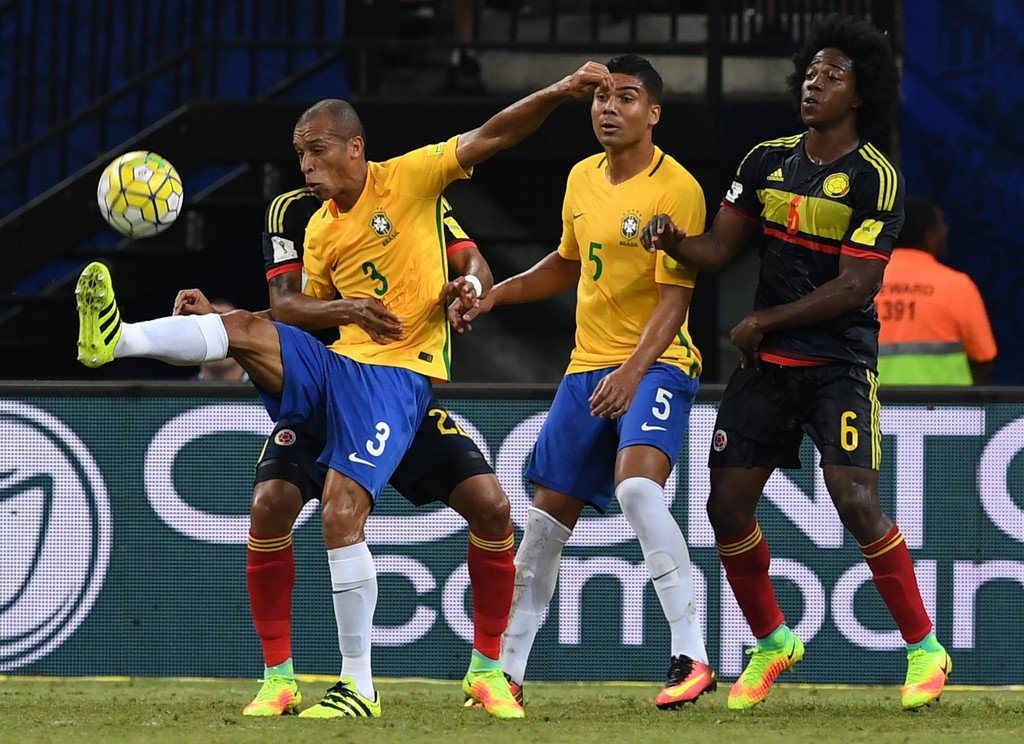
(441, 456)
(766, 411)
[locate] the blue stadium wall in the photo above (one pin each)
(962, 143)
(124, 516)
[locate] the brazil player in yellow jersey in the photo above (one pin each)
(378, 236)
(632, 376)
(443, 464)
(828, 205)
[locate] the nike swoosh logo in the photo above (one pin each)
(334, 265)
(647, 427)
(682, 689)
(356, 458)
(342, 591)
(577, 216)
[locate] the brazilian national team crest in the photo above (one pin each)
(630, 225)
(381, 224)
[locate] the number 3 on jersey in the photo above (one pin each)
(371, 271)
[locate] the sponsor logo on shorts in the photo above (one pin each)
(651, 427)
(285, 438)
(719, 441)
(353, 457)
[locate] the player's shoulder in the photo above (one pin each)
(778, 145)
(666, 167)
(770, 153)
(877, 174)
(297, 204)
(589, 165)
(873, 161)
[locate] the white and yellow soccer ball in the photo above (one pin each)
(140, 194)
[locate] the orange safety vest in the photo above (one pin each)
(932, 320)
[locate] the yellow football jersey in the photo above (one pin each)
(617, 291)
(391, 246)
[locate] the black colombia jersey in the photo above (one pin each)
(810, 214)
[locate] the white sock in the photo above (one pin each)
(354, 583)
(643, 502)
(537, 561)
(181, 340)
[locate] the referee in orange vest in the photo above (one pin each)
(934, 328)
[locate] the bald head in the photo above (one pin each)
(328, 139)
(343, 119)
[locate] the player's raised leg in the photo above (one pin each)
(180, 340)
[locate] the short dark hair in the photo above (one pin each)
(640, 68)
(342, 114)
(874, 65)
(922, 216)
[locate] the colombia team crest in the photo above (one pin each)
(836, 185)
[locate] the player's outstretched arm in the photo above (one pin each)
(709, 251)
(289, 305)
(511, 125)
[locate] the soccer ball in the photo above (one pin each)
(140, 194)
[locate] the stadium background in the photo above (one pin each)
(216, 87)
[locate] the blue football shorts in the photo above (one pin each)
(367, 414)
(575, 452)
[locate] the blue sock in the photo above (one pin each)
(284, 669)
(930, 644)
(776, 640)
(480, 663)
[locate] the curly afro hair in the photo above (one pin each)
(874, 66)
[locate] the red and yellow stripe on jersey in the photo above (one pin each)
(618, 287)
(390, 246)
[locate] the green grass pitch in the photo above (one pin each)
(182, 711)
